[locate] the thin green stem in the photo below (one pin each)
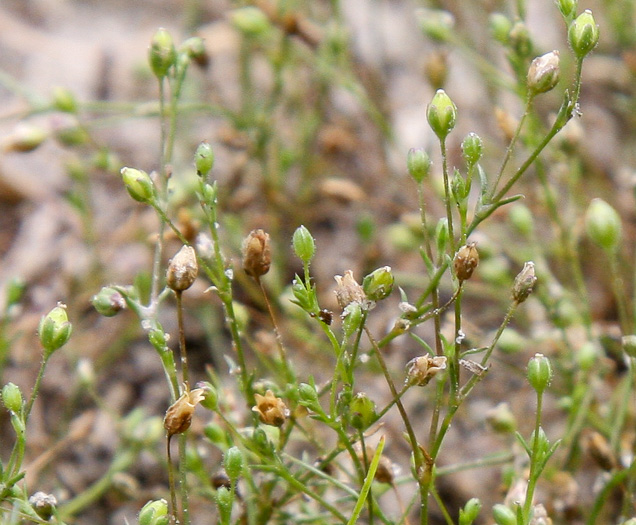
(447, 195)
(535, 463)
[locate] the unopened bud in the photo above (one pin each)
(138, 184)
(436, 23)
(500, 26)
(539, 372)
(162, 54)
(472, 148)
(441, 114)
(182, 269)
(43, 504)
(194, 48)
(250, 21)
(25, 138)
(204, 159)
(351, 318)
(12, 397)
(603, 225)
(501, 419)
(469, 513)
(362, 411)
(520, 39)
(418, 163)
(503, 515)
(256, 254)
(524, 283)
(233, 463)
(54, 330)
(378, 284)
(108, 302)
(64, 100)
(465, 261)
(583, 34)
(543, 73)
(303, 244)
(522, 219)
(568, 9)
(154, 513)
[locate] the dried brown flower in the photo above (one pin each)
(179, 415)
(384, 472)
(524, 283)
(421, 370)
(349, 291)
(182, 269)
(270, 409)
(256, 254)
(465, 261)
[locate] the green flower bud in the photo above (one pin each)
(54, 330)
(108, 302)
(250, 21)
(362, 411)
(629, 345)
(154, 513)
(522, 219)
(583, 34)
(543, 73)
(64, 100)
(216, 435)
(351, 318)
(587, 355)
(303, 244)
(472, 148)
(520, 39)
(224, 500)
(308, 395)
(469, 513)
(436, 23)
(162, 54)
(14, 292)
(441, 114)
(603, 225)
(194, 48)
(503, 515)
(158, 339)
(233, 463)
(204, 159)
(210, 192)
(139, 184)
(539, 372)
(568, 9)
(378, 284)
(419, 164)
(210, 395)
(441, 235)
(500, 26)
(26, 137)
(12, 397)
(501, 419)
(524, 283)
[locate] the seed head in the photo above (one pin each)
(182, 269)
(421, 370)
(256, 254)
(524, 283)
(543, 73)
(179, 416)
(465, 261)
(349, 291)
(270, 409)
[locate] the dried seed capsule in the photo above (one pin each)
(256, 254)
(270, 409)
(349, 291)
(43, 504)
(465, 261)
(524, 283)
(421, 370)
(182, 269)
(179, 416)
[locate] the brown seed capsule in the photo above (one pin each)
(384, 472)
(465, 261)
(421, 370)
(179, 415)
(349, 291)
(524, 283)
(270, 409)
(182, 269)
(256, 254)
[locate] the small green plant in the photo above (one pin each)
(296, 411)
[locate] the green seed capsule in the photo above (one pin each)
(441, 114)
(583, 34)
